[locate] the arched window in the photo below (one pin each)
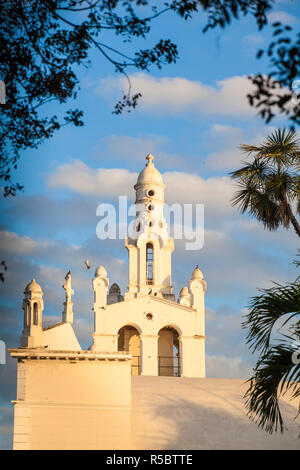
(168, 352)
(35, 313)
(149, 263)
(129, 340)
(26, 314)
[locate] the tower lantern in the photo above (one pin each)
(33, 307)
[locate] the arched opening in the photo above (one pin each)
(129, 340)
(149, 263)
(168, 352)
(26, 314)
(35, 313)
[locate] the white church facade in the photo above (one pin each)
(165, 337)
(145, 332)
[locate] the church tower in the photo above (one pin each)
(33, 306)
(164, 337)
(149, 246)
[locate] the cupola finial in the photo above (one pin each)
(149, 158)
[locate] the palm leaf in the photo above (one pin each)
(269, 183)
(280, 302)
(274, 374)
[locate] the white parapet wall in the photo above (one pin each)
(203, 414)
(72, 400)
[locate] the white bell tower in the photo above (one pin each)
(163, 336)
(149, 246)
(33, 307)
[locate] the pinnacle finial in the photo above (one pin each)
(149, 158)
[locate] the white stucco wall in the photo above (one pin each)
(61, 337)
(74, 401)
(208, 414)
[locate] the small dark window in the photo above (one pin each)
(149, 316)
(150, 207)
(35, 313)
(138, 227)
(150, 192)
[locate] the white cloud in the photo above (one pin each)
(227, 367)
(12, 243)
(282, 17)
(214, 193)
(176, 94)
(78, 177)
(225, 159)
(132, 149)
(226, 352)
(226, 141)
(233, 267)
(182, 187)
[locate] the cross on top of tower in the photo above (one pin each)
(149, 158)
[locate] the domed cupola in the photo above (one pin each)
(114, 295)
(33, 286)
(150, 185)
(115, 289)
(197, 274)
(150, 174)
(101, 272)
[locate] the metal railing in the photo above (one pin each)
(169, 366)
(136, 365)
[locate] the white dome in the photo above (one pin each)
(33, 286)
(150, 174)
(101, 272)
(197, 274)
(184, 291)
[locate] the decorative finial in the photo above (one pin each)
(197, 274)
(67, 316)
(149, 158)
(67, 287)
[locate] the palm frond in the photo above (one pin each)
(281, 148)
(282, 215)
(280, 302)
(274, 374)
(259, 204)
(257, 171)
(269, 183)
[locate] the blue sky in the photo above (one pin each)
(192, 117)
